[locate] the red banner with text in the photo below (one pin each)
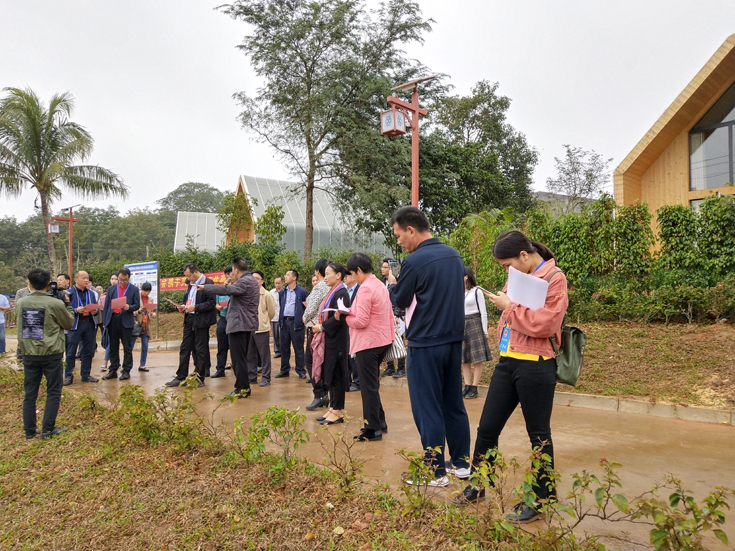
(179, 283)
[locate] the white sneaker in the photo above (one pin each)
(460, 472)
(440, 482)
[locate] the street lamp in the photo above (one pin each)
(69, 223)
(390, 126)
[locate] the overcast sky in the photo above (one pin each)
(153, 80)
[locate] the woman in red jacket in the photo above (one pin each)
(526, 372)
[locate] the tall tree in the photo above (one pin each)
(321, 60)
(580, 175)
(193, 197)
(39, 148)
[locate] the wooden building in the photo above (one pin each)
(689, 152)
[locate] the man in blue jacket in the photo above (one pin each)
(119, 323)
(431, 288)
(291, 299)
(83, 331)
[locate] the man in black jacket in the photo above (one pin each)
(200, 314)
(119, 323)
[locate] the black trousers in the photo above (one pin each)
(353, 372)
(368, 368)
(119, 334)
(259, 352)
(320, 390)
(35, 367)
(223, 344)
(239, 344)
(194, 343)
(530, 384)
(291, 335)
(337, 388)
(276, 331)
(84, 335)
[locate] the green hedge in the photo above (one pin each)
(608, 255)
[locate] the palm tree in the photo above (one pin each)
(39, 148)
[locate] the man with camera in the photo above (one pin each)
(42, 318)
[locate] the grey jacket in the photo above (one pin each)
(242, 312)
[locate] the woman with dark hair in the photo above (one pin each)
(143, 316)
(526, 372)
(475, 350)
(371, 335)
(331, 345)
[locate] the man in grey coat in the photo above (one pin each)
(242, 319)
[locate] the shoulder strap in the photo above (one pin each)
(477, 301)
(548, 279)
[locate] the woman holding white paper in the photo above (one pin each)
(526, 372)
(475, 350)
(331, 351)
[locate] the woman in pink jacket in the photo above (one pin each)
(371, 335)
(526, 372)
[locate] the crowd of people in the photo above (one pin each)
(340, 334)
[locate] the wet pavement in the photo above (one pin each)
(701, 454)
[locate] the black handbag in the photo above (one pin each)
(137, 330)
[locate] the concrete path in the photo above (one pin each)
(701, 454)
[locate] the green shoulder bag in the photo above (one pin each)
(570, 352)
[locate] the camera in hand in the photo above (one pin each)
(54, 291)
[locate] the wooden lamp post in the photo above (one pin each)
(69, 223)
(392, 124)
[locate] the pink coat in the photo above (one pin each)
(371, 316)
(530, 329)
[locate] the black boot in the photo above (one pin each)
(320, 402)
(471, 393)
(466, 390)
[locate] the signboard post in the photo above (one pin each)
(139, 274)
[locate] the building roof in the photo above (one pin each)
(330, 227)
(708, 84)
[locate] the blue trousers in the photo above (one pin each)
(84, 335)
(291, 335)
(144, 339)
(434, 376)
(2, 336)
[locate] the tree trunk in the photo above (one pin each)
(309, 237)
(49, 236)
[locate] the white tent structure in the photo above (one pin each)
(198, 230)
(330, 228)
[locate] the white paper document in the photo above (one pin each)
(340, 307)
(409, 311)
(526, 290)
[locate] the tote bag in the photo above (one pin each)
(397, 349)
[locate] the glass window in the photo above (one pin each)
(712, 145)
(695, 204)
(710, 158)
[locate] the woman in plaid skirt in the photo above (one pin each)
(475, 350)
